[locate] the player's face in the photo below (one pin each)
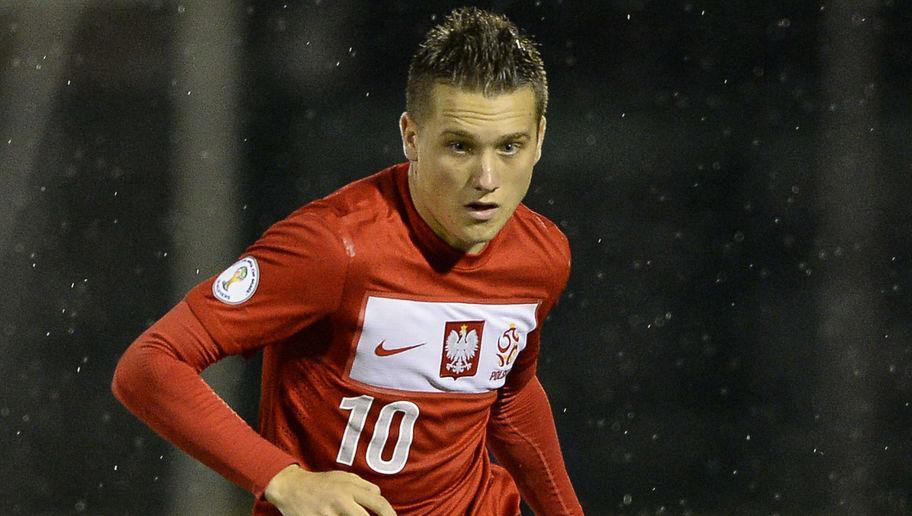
(471, 161)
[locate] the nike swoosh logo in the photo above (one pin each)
(380, 351)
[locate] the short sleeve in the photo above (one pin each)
(290, 278)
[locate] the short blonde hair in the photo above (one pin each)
(475, 50)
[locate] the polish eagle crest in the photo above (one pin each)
(460, 349)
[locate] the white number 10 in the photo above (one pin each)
(359, 408)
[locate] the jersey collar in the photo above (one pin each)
(438, 251)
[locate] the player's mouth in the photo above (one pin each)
(482, 211)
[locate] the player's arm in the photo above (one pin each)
(522, 435)
(158, 380)
(299, 267)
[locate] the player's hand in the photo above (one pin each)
(298, 492)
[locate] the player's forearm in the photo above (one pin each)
(162, 387)
(523, 437)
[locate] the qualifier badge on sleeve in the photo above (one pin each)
(238, 282)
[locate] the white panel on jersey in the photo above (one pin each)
(440, 347)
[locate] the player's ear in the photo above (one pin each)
(409, 132)
(542, 123)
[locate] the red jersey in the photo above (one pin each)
(384, 348)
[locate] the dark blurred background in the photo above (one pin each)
(734, 178)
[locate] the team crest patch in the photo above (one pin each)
(461, 348)
(238, 283)
(508, 346)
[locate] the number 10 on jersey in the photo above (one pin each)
(359, 408)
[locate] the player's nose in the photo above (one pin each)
(486, 177)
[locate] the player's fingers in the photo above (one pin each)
(376, 503)
(363, 484)
(351, 508)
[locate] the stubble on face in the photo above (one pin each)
(472, 160)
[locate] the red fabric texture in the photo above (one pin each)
(158, 380)
(522, 435)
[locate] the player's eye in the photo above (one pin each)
(458, 147)
(510, 148)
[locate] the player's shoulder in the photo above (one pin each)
(542, 230)
(544, 239)
(327, 228)
(361, 200)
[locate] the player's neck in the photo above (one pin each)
(420, 205)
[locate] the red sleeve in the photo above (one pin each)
(293, 276)
(158, 380)
(290, 278)
(522, 435)
(557, 262)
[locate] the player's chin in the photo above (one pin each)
(482, 233)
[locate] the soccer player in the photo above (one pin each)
(399, 317)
